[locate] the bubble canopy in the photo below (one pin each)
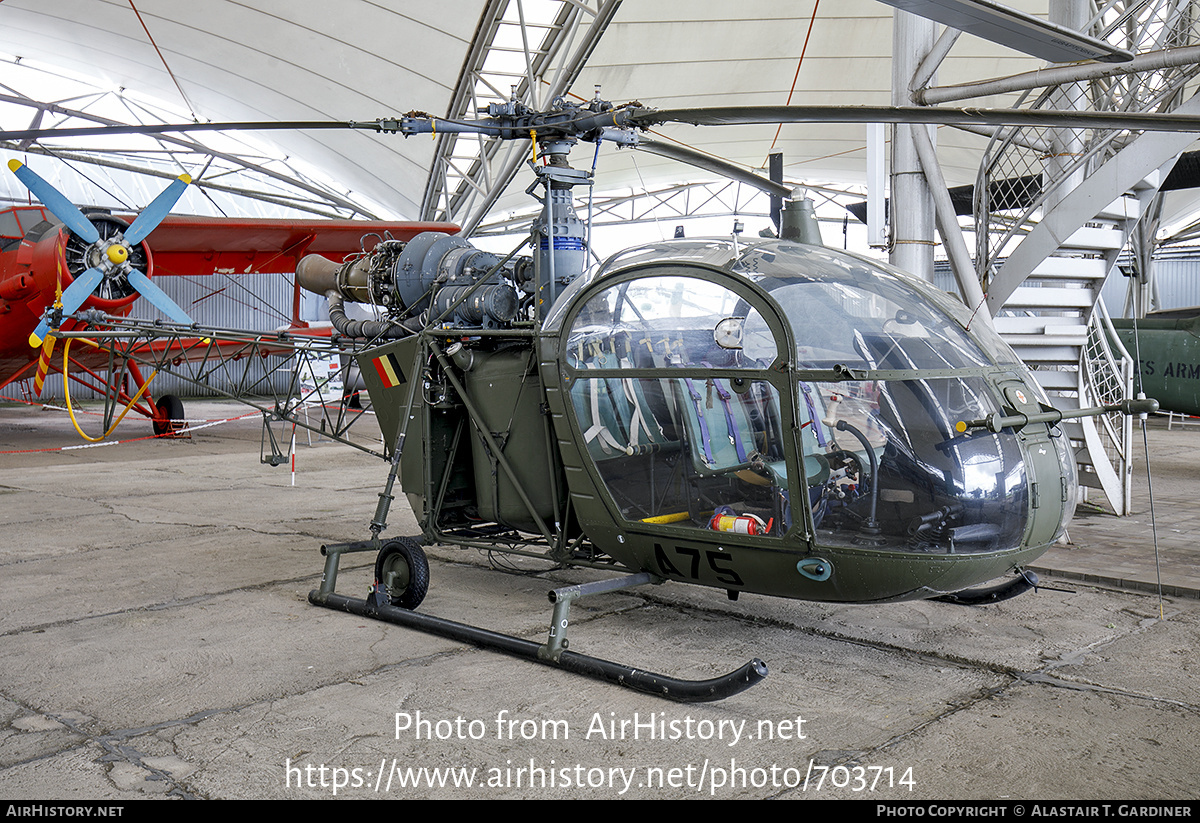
(687, 362)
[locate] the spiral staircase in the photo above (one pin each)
(1044, 249)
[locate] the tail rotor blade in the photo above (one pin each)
(159, 208)
(158, 297)
(75, 295)
(59, 206)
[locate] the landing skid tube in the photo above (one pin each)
(982, 596)
(552, 653)
(682, 691)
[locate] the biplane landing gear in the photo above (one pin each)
(170, 415)
(402, 572)
(398, 563)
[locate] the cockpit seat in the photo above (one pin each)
(616, 414)
(719, 434)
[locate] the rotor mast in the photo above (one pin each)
(559, 235)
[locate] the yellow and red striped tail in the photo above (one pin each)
(43, 365)
(48, 343)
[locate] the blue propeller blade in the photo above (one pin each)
(81, 289)
(158, 297)
(59, 206)
(83, 286)
(153, 214)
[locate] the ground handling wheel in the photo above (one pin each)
(402, 572)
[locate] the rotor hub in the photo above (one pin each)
(117, 254)
(111, 253)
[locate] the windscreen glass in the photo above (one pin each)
(847, 311)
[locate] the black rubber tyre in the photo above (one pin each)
(170, 408)
(403, 562)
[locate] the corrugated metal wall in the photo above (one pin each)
(255, 302)
(1178, 273)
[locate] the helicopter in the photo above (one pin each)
(1165, 343)
(771, 417)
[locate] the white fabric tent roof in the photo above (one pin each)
(271, 60)
(359, 60)
(752, 60)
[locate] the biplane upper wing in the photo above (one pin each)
(181, 246)
(198, 246)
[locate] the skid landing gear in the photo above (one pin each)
(984, 595)
(403, 572)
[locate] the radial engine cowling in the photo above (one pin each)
(51, 248)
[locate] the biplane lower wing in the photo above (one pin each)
(131, 353)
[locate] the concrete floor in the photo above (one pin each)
(156, 641)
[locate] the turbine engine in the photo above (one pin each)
(432, 278)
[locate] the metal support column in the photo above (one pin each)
(912, 215)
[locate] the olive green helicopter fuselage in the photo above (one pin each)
(776, 418)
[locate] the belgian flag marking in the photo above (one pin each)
(388, 368)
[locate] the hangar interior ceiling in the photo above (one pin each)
(1055, 207)
(171, 61)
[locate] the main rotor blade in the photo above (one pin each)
(771, 115)
(168, 128)
(159, 208)
(59, 206)
(717, 116)
(713, 164)
(77, 293)
(158, 297)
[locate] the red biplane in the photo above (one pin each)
(55, 257)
